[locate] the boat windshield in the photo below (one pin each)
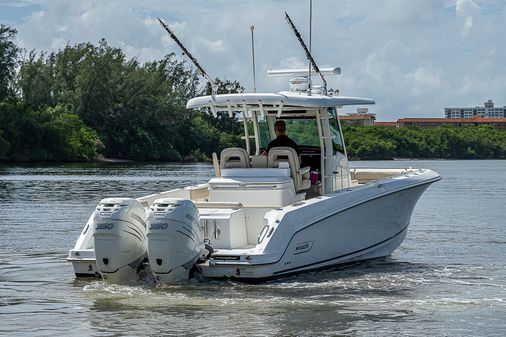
(337, 141)
(303, 131)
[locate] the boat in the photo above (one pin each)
(261, 216)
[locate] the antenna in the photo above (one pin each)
(214, 87)
(253, 53)
(308, 53)
(310, 26)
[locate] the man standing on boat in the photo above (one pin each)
(281, 138)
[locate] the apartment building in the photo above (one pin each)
(486, 111)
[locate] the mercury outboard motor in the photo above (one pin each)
(175, 241)
(120, 239)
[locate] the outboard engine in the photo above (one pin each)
(174, 239)
(120, 239)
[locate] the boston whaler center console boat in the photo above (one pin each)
(261, 216)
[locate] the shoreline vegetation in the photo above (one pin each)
(89, 102)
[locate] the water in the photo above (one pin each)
(447, 279)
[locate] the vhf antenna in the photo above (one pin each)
(310, 27)
(214, 87)
(253, 55)
(308, 53)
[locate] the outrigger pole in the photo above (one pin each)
(308, 53)
(214, 87)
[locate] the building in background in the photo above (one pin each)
(486, 115)
(362, 117)
(498, 123)
(394, 124)
(486, 111)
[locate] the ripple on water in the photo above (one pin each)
(343, 289)
(447, 278)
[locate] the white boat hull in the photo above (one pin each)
(85, 268)
(361, 223)
(82, 256)
(350, 226)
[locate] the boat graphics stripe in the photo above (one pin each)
(381, 195)
(185, 235)
(190, 232)
(133, 234)
(344, 255)
(350, 206)
(134, 228)
(345, 208)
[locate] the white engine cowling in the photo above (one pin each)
(175, 241)
(120, 239)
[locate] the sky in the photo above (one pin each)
(413, 57)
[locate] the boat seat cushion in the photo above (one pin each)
(299, 175)
(234, 157)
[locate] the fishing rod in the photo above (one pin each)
(308, 53)
(214, 87)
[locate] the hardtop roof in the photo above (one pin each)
(283, 99)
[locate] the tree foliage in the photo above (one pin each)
(50, 134)
(380, 142)
(89, 100)
(8, 59)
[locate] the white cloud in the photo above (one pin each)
(14, 4)
(426, 77)
(413, 57)
(465, 10)
(293, 62)
(58, 43)
(465, 7)
(214, 46)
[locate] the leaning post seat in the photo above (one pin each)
(234, 157)
(287, 154)
(254, 187)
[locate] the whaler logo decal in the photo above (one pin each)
(303, 247)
